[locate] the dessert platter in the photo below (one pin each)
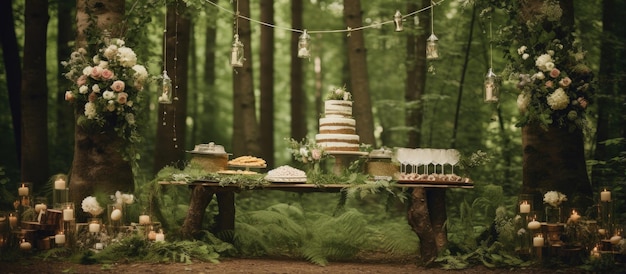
(247, 162)
(286, 174)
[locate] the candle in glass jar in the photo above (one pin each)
(605, 196)
(538, 241)
(534, 224)
(524, 207)
(574, 217)
(23, 190)
(94, 227)
(68, 214)
(59, 238)
(59, 184)
(144, 219)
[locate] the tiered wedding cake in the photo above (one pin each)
(337, 127)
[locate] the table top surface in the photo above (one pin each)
(303, 186)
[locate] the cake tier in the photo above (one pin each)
(337, 125)
(338, 142)
(338, 108)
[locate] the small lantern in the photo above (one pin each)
(397, 20)
(303, 45)
(492, 89)
(431, 47)
(166, 90)
(236, 55)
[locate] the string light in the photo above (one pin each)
(492, 85)
(166, 85)
(236, 52)
(303, 45)
(431, 43)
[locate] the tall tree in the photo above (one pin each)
(171, 134)
(12, 65)
(34, 99)
(245, 125)
(298, 99)
(267, 82)
(357, 58)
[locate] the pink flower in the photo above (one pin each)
(92, 97)
(81, 80)
(316, 154)
(69, 96)
(122, 97)
(582, 101)
(118, 86)
(549, 84)
(555, 73)
(107, 74)
(96, 72)
(565, 82)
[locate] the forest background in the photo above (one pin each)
(454, 114)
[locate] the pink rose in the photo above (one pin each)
(96, 72)
(69, 96)
(549, 84)
(582, 101)
(107, 74)
(81, 80)
(92, 97)
(565, 82)
(555, 73)
(316, 154)
(122, 97)
(118, 86)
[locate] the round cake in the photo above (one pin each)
(338, 108)
(337, 125)
(338, 142)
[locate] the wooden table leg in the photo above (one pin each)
(226, 217)
(200, 198)
(420, 221)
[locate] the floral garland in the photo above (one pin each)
(551, 74)
(107, 87)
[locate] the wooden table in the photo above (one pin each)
(426, 218)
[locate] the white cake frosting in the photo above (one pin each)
(330, 125)
(338, 108)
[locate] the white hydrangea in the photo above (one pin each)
(90, 205)
(141, 73)
(126, 57)
(542, 61)
(558, 99)
(110, 52)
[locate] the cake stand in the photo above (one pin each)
(343, 159)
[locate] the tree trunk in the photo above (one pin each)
(200, 198)
(415, 81)
(357, 57)
(109, 16)
(245, 125)
(420, 220)
(64, 137)
(13, 70)
(171, 124)
(267, 82)
(35, 95)
(554, 160)
(298, 99)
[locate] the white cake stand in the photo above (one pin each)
(343, 159)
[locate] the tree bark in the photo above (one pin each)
(245, 125)
(297, 102)
(64, 138)
(35, 96)
(109, 15)
(420, 221)
(200, 198)
(357, 58)
(267, 82)
(415, 81)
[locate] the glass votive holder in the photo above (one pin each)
(68, 212)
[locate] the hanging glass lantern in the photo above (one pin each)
(166, 90)
(236, 55)
(431, 47)
(303, 45)
(492, 89)
(397, 20)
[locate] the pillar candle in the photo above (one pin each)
(40, 207)
(605, 196)
(59, 238)
(524, 207)
(160, 237)
(59, 184)
(538, 241)
(574, 217)
(94, 227)
(99, 246)
(68, 214)
(144, 219)
(534, 225)
(614, 240)
(116, 215)
(13, 221)
(152, 235)
(25, 246)
(23, 190)
(602, 231)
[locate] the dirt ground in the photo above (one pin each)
(238, 265)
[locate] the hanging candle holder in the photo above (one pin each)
(431, 47)
(492, 87)
(236, 56)
(166, 90)
(304, 45)
(397, 20)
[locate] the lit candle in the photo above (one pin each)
(595, 253)
(524, 207)
(574, 217)
(60, 184)
(605, 196)
(99, 246)
(151, 235)
(40, 207)
(68, 214)
(94, 227)
(116, 215)
(615, 239)
(23, 190)
(25, 246)
(13, 220)
(144, 219)
(160, 237)
(59, 238)
(602, 231)
(538, 241)
(534, 224)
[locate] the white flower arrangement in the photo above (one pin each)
(90, 205)
(107, 87)
(121, 198)
(307, 151)
(339, 94)
(554, 198)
